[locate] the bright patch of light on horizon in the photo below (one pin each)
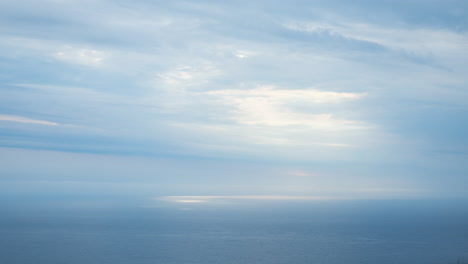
(199, 199)
(189, 201)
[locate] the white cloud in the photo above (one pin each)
(272, 93)
(87, 57)
(177, 76)
(21, 119)
(268, 106)
(186, 76)
(243, 54)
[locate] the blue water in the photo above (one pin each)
(348, 232)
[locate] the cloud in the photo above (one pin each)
(269, 106)
(244, 54)
(186, 76)
(81, 56)
(272, 93)
(404, 42)
(346, 83)
(21, 119)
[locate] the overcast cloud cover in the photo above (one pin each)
(357, 99)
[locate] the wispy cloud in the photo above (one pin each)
(186, 76)
(22, 119)
(404, 41)
(83, 56)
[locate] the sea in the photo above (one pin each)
(240, 232)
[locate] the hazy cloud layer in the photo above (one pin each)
(373, 89)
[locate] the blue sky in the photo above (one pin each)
(356, 99)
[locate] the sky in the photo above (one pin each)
(176, 100)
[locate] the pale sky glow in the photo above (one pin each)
(236, 98)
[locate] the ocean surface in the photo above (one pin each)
(326, 232)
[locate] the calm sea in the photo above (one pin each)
(351, 232)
